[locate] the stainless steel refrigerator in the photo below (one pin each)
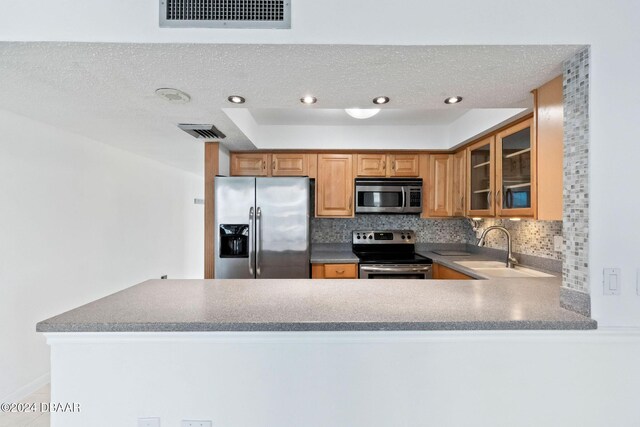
(262, 228)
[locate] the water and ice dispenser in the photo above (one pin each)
(234, 240)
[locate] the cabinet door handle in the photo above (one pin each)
(340, 271)
(394, 165)
(273, 165)
(350, 201)
(384, 165)
(498, 202)
(264, 164)
(489, 200)
(462, 202)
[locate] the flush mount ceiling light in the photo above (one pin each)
(379, 100)
(308, 100)
(173, 95)
(236, 99)
(453, 100)
(362, 113)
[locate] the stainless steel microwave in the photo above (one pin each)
(389, 195)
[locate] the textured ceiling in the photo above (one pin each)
(106, 91)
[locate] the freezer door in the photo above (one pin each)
(235, 207)
(282, 228)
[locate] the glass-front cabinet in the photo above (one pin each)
(501, 174)
(481, 178)
(515, 171)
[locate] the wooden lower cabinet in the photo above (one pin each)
(445, 273)
(334, 271)
(334, 185)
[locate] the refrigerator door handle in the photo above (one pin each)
(251, 249)
(258, 240)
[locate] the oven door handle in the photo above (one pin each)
(404, 199)
(395, 269)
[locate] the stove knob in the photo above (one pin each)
(402, 237)
(358, 236)
(370, 236)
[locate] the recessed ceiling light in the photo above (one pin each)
(381, 100)
(362, 113)
(453, 100)
(235, 99)
(173, 95)
(308, 100)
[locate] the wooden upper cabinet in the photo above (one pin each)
(334, 185)
(459, 183)
(371, 164)
(403, 165)
(440, 183)
(481, 178)
(516, 171)
(550, 149)
(250, 164)
(289, 164)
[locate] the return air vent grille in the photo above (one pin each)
(202, 131)
(225, 13)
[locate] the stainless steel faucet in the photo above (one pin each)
(511, 261)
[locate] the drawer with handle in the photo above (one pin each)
(335, 271)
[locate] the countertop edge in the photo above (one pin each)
(321, 326)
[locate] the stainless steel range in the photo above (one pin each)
(390, 254)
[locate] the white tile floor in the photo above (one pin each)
(29, 419)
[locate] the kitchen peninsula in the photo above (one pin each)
(216, 340)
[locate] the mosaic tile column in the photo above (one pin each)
(574, 294)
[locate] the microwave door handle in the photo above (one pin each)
(251, 248)
(404, 198)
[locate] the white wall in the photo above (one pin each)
(351, 379)
(223, 161)
(80, 220)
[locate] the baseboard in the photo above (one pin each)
(28, 389)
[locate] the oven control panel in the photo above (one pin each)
(360, 237)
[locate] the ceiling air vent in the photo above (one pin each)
(225, 13)
(202, 131)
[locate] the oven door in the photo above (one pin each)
(396, 271)
(380, 199)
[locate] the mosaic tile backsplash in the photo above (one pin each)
(529, 237)
(576, 171)
(338, 230)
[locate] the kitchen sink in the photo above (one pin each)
(499, 269)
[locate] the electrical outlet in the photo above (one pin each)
(163, 277)
(558, 243)
(148, 422)
(187, 423)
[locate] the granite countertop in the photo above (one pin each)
(324, 305)
(332, 253)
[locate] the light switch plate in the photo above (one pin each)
(192, 423)
(148, 422)
(611, 281)
(558, 243)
